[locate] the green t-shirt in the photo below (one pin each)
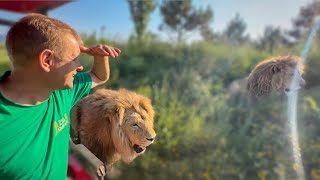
(34, 140)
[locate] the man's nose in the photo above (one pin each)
(79, 66)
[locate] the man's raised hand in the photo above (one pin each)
(101, 50)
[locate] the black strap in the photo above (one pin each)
(74, 133)
(74, 136)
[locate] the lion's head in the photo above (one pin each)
(282, 73)
(114, 124)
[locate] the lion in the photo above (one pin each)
(281, 73)
(114, 125)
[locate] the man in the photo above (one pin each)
(37, 96)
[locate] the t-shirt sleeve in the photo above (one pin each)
(81, 87)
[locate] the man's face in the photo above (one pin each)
(66, 67)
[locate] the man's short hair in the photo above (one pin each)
(28, 37)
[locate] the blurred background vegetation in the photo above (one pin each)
(205, 128)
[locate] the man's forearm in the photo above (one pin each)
(100, 71)
(100, 68)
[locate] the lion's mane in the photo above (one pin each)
(101, 118)
(271, 74)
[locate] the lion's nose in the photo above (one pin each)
(302, 83)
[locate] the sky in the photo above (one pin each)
(114, 16)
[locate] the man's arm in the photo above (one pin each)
(100, 71)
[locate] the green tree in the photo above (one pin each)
(303, 22)
(235, 31)
(140, 13)
(205, 30)
(206, 33)
(272, 39)
(180, 17)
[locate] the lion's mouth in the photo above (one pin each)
(138, 149)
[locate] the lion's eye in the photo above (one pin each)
(135, 125)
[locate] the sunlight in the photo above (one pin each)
(292, 106)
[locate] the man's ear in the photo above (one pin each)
(46, 59)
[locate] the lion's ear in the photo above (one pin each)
(145, 104)
(120, 114)
(276, 69)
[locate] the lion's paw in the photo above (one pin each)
(101, 171)
(104, 170)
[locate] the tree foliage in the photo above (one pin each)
(235, 31)
(304, 20)
(272, 39)
(140, 13)
(181, 17)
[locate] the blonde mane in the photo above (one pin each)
(101, 120)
